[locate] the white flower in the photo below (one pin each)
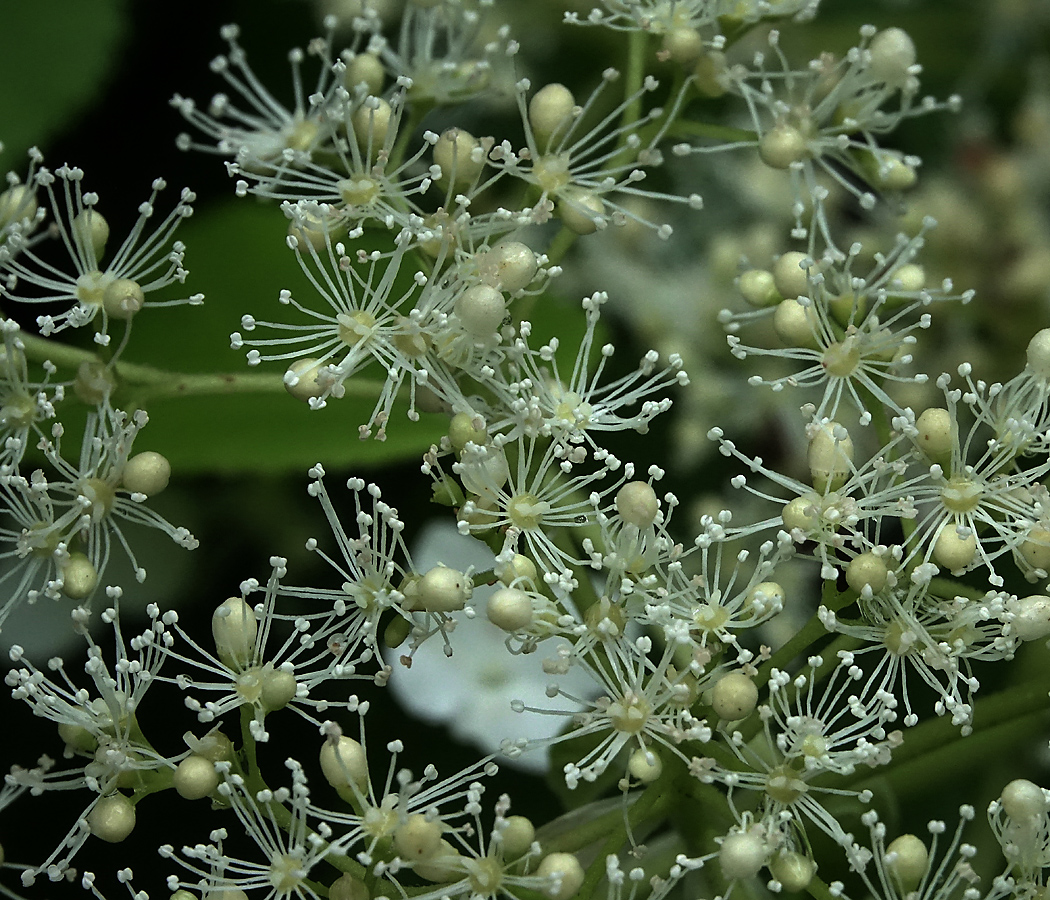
(144, 262)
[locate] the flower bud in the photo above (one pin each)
(442, 867)
(1038, 355)
(112, 818)
(516, 567)
(465, 428)
(1022, 799)
(511, 264)
(795, 324)
(781, 146)
(892, 54)
(481, 310)
(234, 629)
(17, 203)
(952, 552)
(509, 609)
(371, 122)
(146, 473)
(343, 761)
(707, 73)
(683, 45)
(518, 834)
(195, 778)
(301, 381)
(867, 570)
(90, 229)
(741, 855)
(734, 696)
(279, 688)
(94, 382)
(645, 766)
(758, 287)
(551, 111)
(460, 156)
(906, 860)
(830, 457)
(418, 838)
(365, 69)
(569, 872)
(793, 870)
(347, 887)
(122, 298)
(79, 577)
(789, 276)
(1031, 621)
(765, 596)
(637, 504)
(444, 590)
(935, 434)
(581, 210)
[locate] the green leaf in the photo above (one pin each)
(55, 59)
(237, 257)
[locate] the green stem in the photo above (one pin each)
(636, 52)
(150, 383)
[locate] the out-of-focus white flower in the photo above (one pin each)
(471, 691)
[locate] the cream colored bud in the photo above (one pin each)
(279, 688)
(1038, 355)
(234, 629)
(460, 156)
(442, 867)
(645, 765)
(781, 146)
(892, 54)
(511, 264)
(759, 288)
(935, 434)
(418, 838)
(707, 73)
(906, 860)
(867, 570)
(195, 778)
(801, 513)
(741, 855)
(79, 577)
(343, 762)
(122, 298)
(444, 590)
(952, 552)
(683, 45)
(347, 887)
(581, 211)
(1031, 617)
(112, 818)
(18, 203)
(301, 379)
(481, 310)
(1022, 799)
(517, 567)
(509, 609)
(830, 457)
(146, 473)
(365, 69)
(637, 504)
(793, 870)
(90, 229)
(518, 834)
(569, 872)
(551, 112)
(467, 429)
(734, 696)
(372, 121)
(789, 276)
(795, 324)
